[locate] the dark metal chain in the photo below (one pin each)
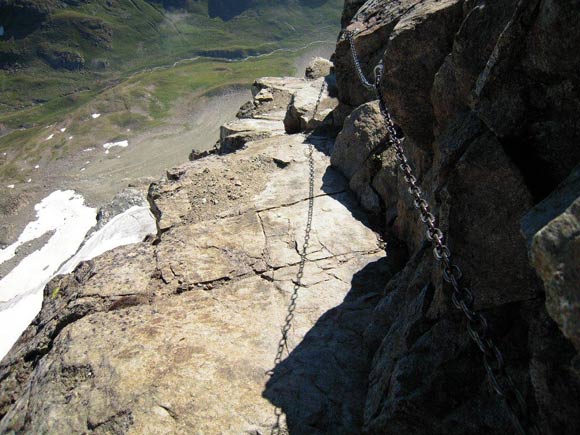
(357, 67)
(462, 297)
(278, 428)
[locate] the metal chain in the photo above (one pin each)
(357, 67)
(278, 429)
(462, 297)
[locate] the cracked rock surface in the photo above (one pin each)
(179, 334)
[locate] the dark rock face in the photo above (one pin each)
(62, 59)
(350, 9)
(486, 94)
(20, 18)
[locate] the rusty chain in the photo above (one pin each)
(462, 297)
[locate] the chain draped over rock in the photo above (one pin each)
(462, 297)
(278, 428)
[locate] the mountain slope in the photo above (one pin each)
(102, 38)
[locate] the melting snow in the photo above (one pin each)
(131, 226)
(63, 212)
(10, 186)
(62, 130)
(95, 115)
(50, 137)
(37, 166)
(109, 145)
(88, 149)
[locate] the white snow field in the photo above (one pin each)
(65, 214)
(121, 144)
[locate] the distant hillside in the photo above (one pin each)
(136, 62)
(105, 38)
(95, 34)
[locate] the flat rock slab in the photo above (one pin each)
(180, 336)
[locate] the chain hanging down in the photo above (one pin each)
(278, 429)
(462, 297)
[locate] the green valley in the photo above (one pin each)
(62, 60)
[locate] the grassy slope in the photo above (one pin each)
(128, 93)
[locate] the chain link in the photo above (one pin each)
(357, 66)
(462, 297)
(279, 428)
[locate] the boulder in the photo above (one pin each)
(309, 107)
(357, 152)
(318, 68)
(235, 134)
(555, 249)
(272, 95)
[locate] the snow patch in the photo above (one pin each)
(95, 115)
(131, 226)
(50, 137)
(62, 130)
(10, 186)
(63, 212)
(122, 144)
(21, 291)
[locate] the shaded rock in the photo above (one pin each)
(555, 253)
(472, 47)
(551, 207)
(372, 24)
(474, 109)
(534, 116)
(417, 47)
(357, 151)
(350, 9)
(486, 239)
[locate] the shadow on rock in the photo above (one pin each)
(321, 385)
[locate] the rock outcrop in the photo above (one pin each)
(179, 334)
(467, 83)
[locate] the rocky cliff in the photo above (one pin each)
(179, 334)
